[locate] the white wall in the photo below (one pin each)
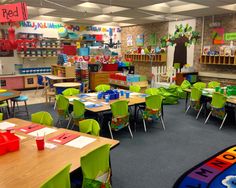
(170, 49)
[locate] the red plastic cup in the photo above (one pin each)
(40, 142)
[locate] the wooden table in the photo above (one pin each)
(29, 167)
(7, 98)
(60, 87)
(58, 78)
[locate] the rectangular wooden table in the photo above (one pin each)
(29, 167)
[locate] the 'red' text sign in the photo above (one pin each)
(13, 12)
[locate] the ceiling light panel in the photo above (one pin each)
(90, 5)
(229, 7)
(101, 18)
(120, 18)
(187, 7)
(111, 9)
(156, 17)
(160, 7)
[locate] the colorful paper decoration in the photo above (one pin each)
(153, 39)
(230, 36)
(140, 40)
(13, 12)
(218, 35)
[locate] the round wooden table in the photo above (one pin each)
(60, 87)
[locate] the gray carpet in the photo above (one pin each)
(157, 158)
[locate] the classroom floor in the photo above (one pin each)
(157, 158)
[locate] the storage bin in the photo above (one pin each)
(8, 143)
(110, 67)
(114, 94)
(99, 37)
(84, 51)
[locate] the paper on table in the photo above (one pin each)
(80, 142)
(88, 103)
(43, 131)
(92, 94)
(50, 145)
(134, 93)
(5, 125)
(106, 103)
(21, 137)
(92, 99)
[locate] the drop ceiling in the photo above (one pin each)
(124, 12)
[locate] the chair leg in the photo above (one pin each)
(208, 117)
(73, 126)
(162, 122)
(187, 109)
(199, 111)
(130, 131)
(223, 121)
(68, 125)
(109, 125)
(26, 108)
(13, 108)
(144, 125)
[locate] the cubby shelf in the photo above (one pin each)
(218, 60)
(156, 58)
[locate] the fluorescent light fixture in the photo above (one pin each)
(229, 7)
(160, 7)
(187, 7)
(48, 18)
(67, 19)
(89, 5)
(126, 24)
(120, 18)
(101, 18)
(156, 17)
(113, 9)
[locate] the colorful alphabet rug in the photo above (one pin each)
(218, 171)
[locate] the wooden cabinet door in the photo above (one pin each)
(30, 81)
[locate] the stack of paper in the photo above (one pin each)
(5, 125)
(42, 132)
(80, 142)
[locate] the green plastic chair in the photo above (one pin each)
(43, 118)
(1, 116)
(152, 91)
(4, 108)
(153, 110)
(62, 105)
(71, 92)
(135, 88)
(218, 108)
(103, 88)
(95, 165)
(185, 85)
(199, 85)
(78, 113)
(90, 126)
(60, 179)
(213, 84)
(120, 117)
(195, 101)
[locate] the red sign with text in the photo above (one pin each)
(13, 12)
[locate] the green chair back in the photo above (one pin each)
(95, 163)
(78, 108)
(185, 85)
(135, 88)
(1, 116)
(119, 108)
(43, 118)
(218, 100)
(152, 91)
(71, 92)
(61, 179)
(154, 101)
(103, 88)
(195, 94)
(62, 105)
(89, 126)
(213, 84)
(199, 85)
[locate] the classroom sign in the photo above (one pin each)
(13, 12)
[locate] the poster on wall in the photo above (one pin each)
(129, 40)
(5, 53)
(140, 40)
(153, 39)
(217, 35)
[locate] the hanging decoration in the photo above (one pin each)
(112, 44)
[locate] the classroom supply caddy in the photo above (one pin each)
(114, 94)
(8, 143)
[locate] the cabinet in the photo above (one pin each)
(101, 77)
(12, 82)
(30, 81)
(63, 71)
(218, 60)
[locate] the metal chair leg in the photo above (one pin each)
(223, 121)
(109, 125)
(130, 131)
(208, 117)
(199, 111)
(68, 125)
(187, 109)
(144, 125)
(26, 108)
(163, 124)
